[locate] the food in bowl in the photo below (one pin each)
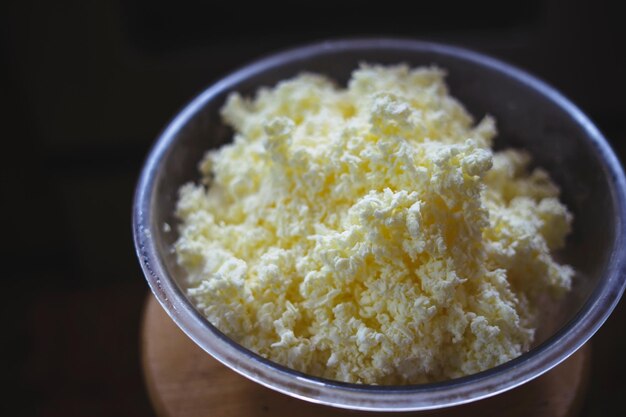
(371, 234)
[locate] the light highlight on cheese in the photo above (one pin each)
(370, 234)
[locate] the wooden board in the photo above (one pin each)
(185, 381)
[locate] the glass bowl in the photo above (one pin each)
(529, 113)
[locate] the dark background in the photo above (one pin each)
(86, 87)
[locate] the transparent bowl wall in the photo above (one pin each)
(529, 114)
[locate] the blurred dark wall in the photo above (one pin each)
(89, 84)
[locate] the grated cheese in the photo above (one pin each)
(370, 234)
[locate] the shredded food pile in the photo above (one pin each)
(370, 234)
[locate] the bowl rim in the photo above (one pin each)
(448, 393)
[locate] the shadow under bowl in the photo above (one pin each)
(529, 114)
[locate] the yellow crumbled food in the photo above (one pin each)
(370, 234)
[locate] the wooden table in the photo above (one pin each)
(185, 381)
